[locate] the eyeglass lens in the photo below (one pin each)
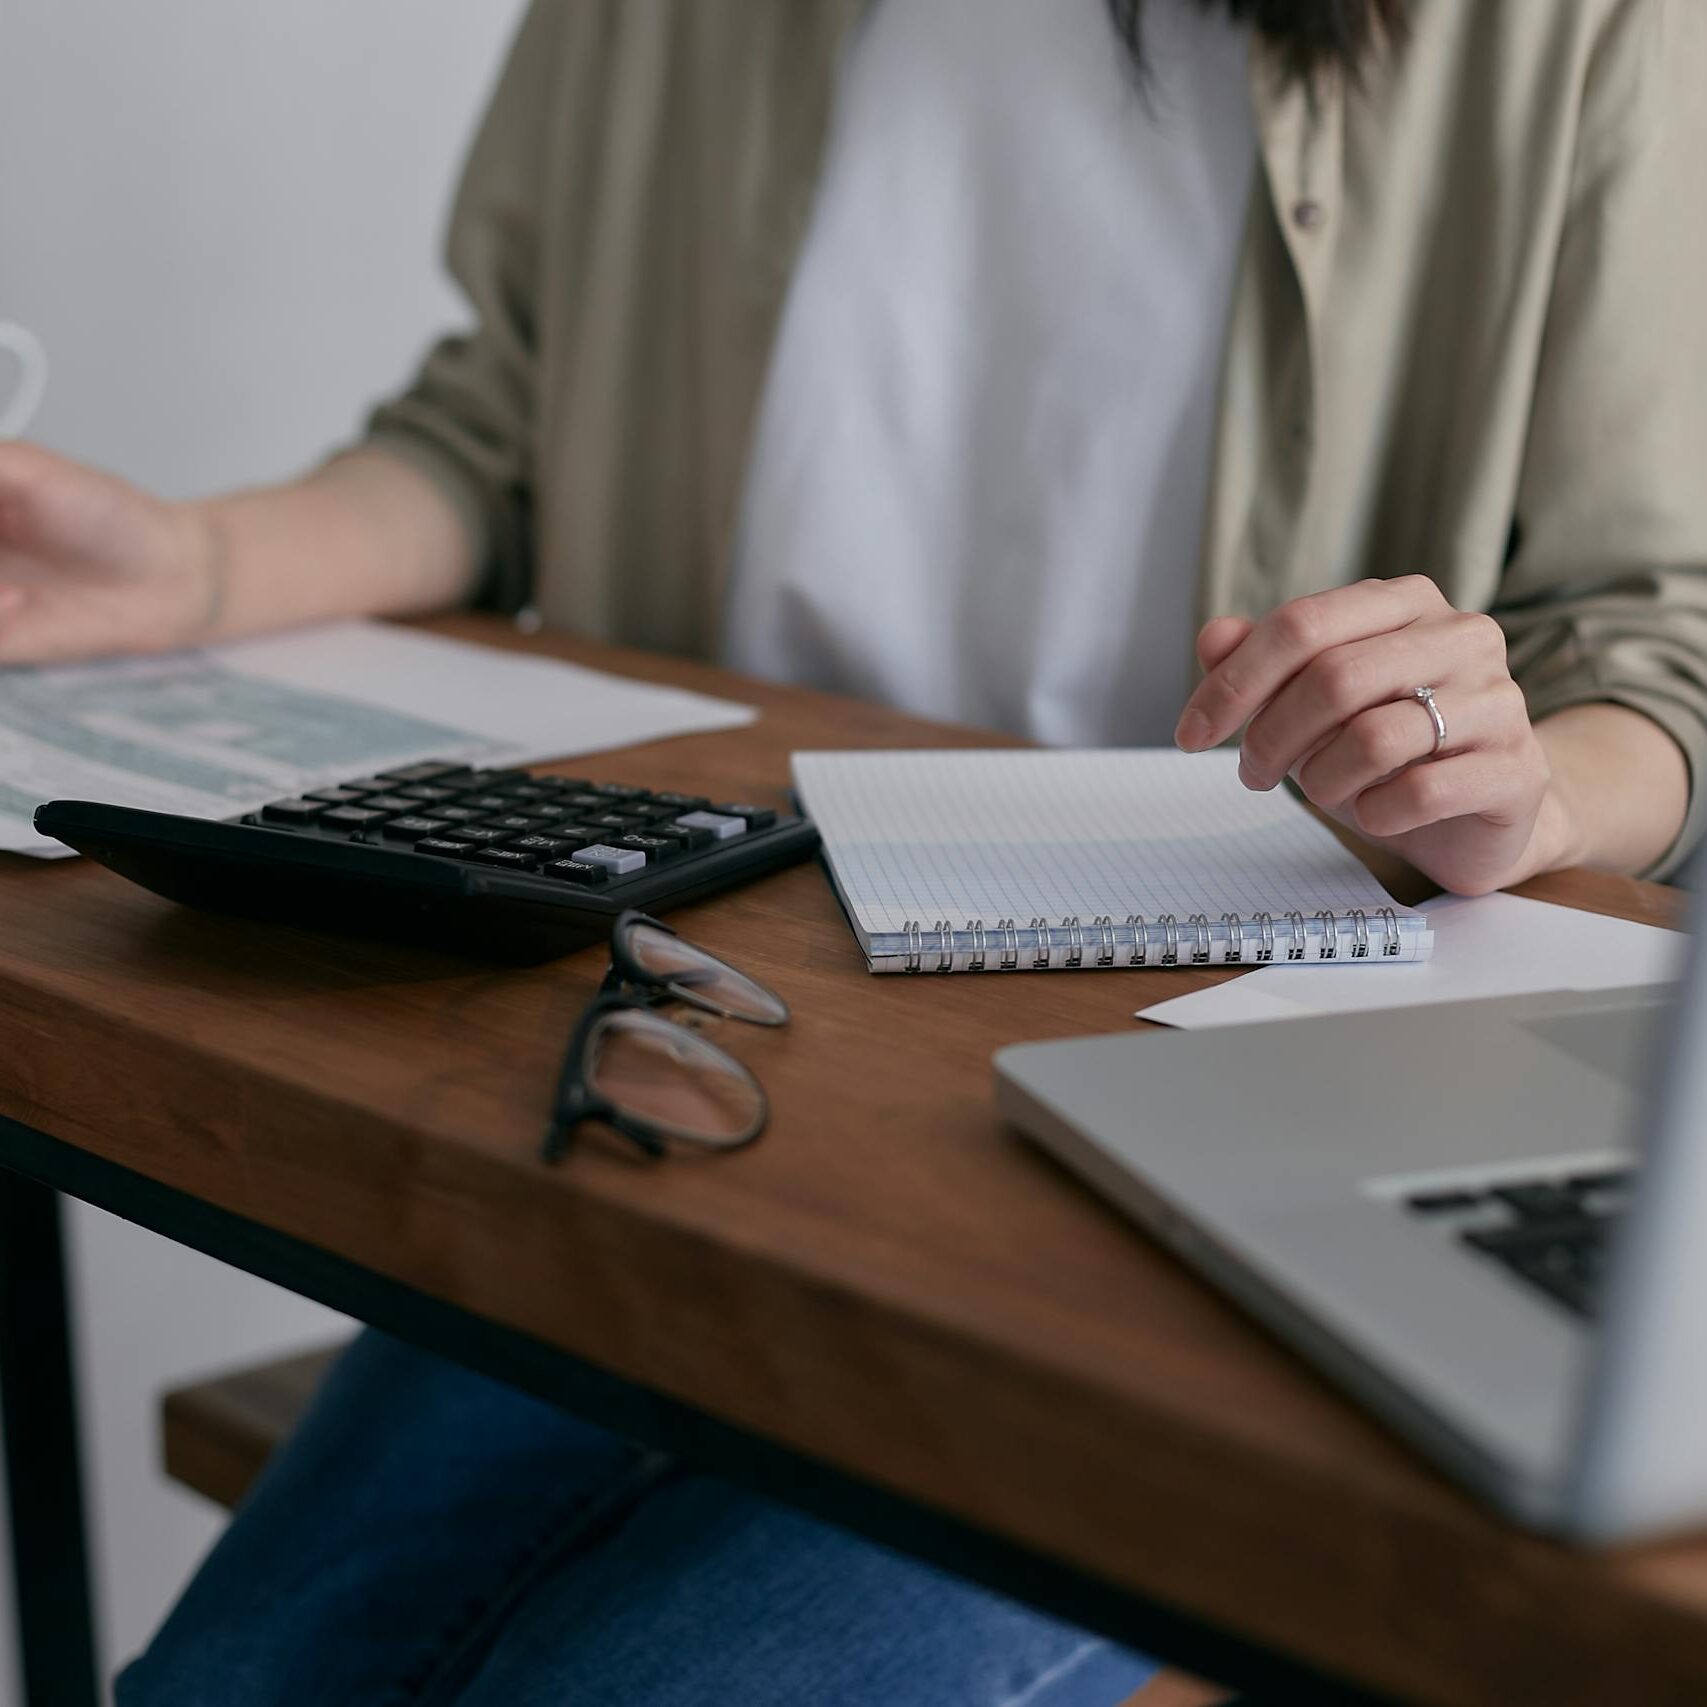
(673, 1079)
(702, 978)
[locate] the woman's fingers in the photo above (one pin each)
(1279, 646)
(1460, 653)
(1379, 743)
(1220, 637)
(1494, 784)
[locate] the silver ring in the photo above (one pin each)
(1425, 698)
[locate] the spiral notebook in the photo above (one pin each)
(1015, 861)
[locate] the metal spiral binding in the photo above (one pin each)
(975, 930)
(1045, 951)
(1359, 934)
(1170, 939)
(1235, 927)
(1199, 926)
(1105, 954)
(1075, 942)
(1265, 938)
(1330, 935)
(1140, 939)
(1391, 942)
(1101, 940)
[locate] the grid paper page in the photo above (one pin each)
(921, 836)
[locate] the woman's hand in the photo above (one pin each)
(90, 565)
(1325, 685)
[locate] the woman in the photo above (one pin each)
(973, 336)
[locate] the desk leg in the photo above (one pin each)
(38, 1404)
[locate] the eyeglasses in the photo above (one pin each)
(655, 1081)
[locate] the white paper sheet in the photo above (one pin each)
(1494, 945)
(216, 733)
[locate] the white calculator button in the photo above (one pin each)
(618, 861)
(721, 827)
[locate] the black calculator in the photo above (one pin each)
(507, 864)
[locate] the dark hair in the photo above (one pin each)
(1312, 33)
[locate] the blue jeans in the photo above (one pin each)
(431, 1537)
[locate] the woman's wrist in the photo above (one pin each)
(206, 556)
(1618, 790)
(1559, 840)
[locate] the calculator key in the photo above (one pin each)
(456, 814)
(425, 772)
(655, 848)
(756, 817)
(411, 829)
(576, 871)
(619, 862)
(720, 824)
(692, 837)
(585, 800)
(680, 841)
(293, 811)
(485, 802)
(476, 835)
(619, 820)
(366, 784)
(548, 847)
(351, 817)
(508, 858)
(681, 802)
(617, 791)
(445, 850)
(389, 803)
(564, 784)
(571, 828)
(518, 822)
(335, 796)
(495, 779)
(429, 792)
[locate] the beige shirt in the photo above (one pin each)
(1468, 338)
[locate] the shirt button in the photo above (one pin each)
(1308, 214)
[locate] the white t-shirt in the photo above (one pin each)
(979, 473)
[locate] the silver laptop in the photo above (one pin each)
(1442, 1207)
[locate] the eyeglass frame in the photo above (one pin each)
(629, 987)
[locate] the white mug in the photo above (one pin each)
(28, 385)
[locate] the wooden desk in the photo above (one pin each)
(891, 1310)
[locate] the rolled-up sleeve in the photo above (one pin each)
(1605, 595)
(468, 419)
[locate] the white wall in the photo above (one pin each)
(223, 219)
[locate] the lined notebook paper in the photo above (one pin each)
(1010, 861)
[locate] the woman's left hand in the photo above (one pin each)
(1326, 684)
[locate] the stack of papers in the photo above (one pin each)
(220, 732)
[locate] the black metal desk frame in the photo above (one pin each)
(37, 1391)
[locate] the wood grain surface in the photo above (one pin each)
(890, 1280)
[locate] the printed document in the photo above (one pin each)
(220, 732)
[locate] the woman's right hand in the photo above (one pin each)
(91, 566)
